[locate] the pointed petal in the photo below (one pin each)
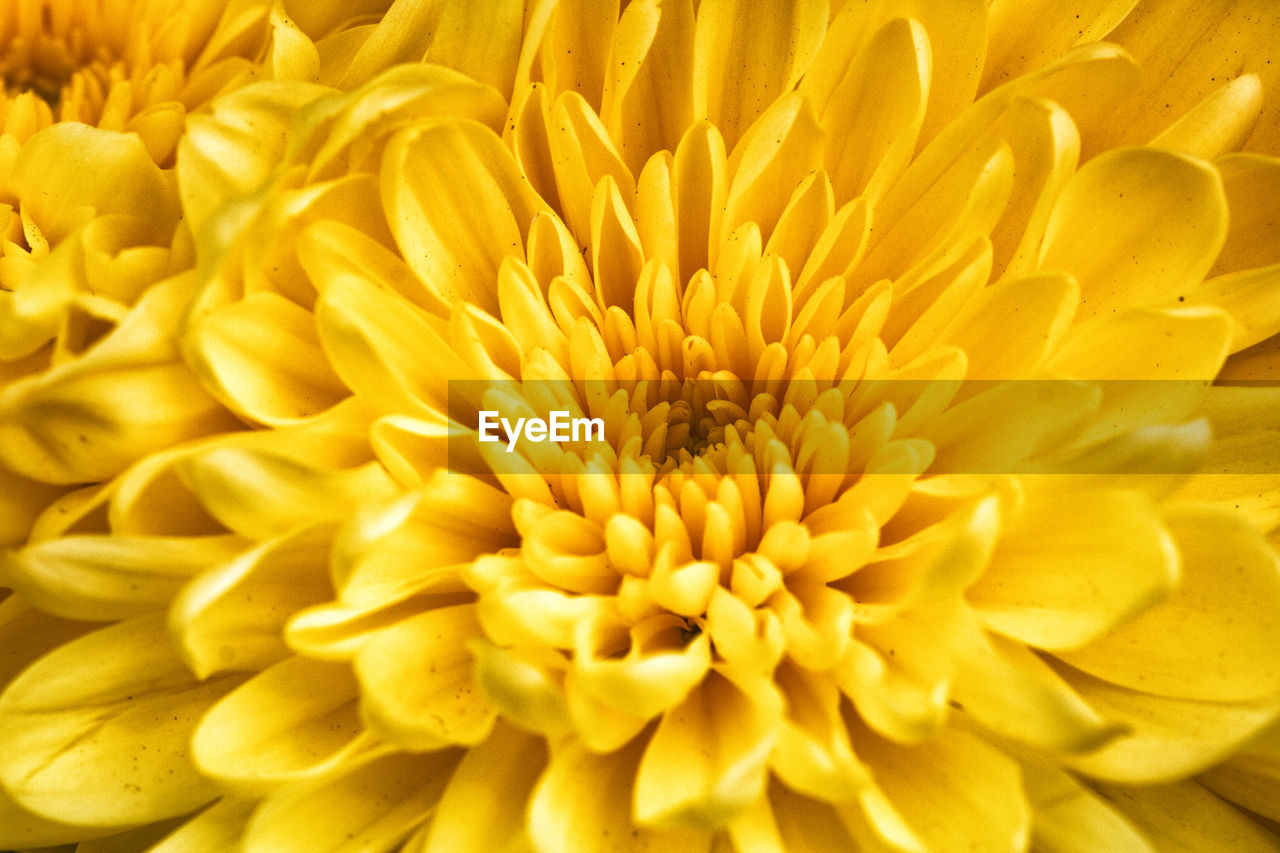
(747, 56)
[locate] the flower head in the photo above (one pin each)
(895, 534)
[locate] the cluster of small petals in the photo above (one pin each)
(933, 496)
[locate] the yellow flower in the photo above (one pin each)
(917, 523)
(96, 97)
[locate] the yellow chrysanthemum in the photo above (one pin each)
(918, 521)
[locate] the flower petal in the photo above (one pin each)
(747, 56)
(1136, 227)
(1068, 569)
(583, 802)
(1252, 183)
(457, 205)
(374, 805)
(1166, 738)
(954, 790)
(418, 684)
(1185, 816)
(97, 732)
(1071, 818)
(479, 811)
(220, 826)
(233, 617)
(262, 355)
(100, 578)
(1213, 638)
(297, 720)
(708, 758)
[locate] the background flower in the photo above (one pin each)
(802, 596)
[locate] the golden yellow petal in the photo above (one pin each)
(747, 57)
(1185, 816)
(375, 804)
(1071, 818)
(101, 578)
(1136, 227)
(1211, 639)
(584, 801)
(418, 682)
(251, 741)
(444, 185)
(871, 128)
(955, 791)
(252, 355)
(476, 813)
(708, 757)
(232, 617)
(647, 102)
(1069, 569)
(219, 826)
(97, 732)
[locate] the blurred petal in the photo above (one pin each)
(97, 732)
